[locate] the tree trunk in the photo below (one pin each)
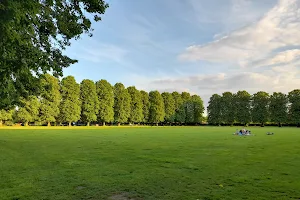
(88, 124)
(69, 123)
(26, 124)
(103, 123)
(49, 124)
(119, 123)
(1, 123)
(156, 124)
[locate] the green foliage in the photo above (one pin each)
(214, 109)
(5, 115)
(136, 105)
(278, 107)
(197, 108)
(187, 108)
(28, 110)
(169, 104)
(122, 103)
(228, 107)
(157, 109)
(146, 105)
(179, 108)
(294, 111)
(242, 107)
(105, 93)
(50, 98)
(33, 36)
(89, 101)
(70, 106)
(260, 107)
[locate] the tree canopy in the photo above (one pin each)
(33, 35)
(89, 101)
(105, 94)
(214, 109)
(122, 103)
(294, 111)
(136, 105)
(146, 105)
(179, 108)
(278, 107)
(157, 109)
(197, 109)
(169, 104)
(50, 98)
(228, 108)
(5, 115)
(242, 107)
(28, 110)
(260, 107)
(70, 106)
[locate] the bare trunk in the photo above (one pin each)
(1, 122)
(103, 123)
(26, 124)
(88, 124)
(156, 124)
(119, 123)
(69, 123)
(49, 124)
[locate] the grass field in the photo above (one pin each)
(149, 163)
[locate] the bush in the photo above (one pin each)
(8, 123)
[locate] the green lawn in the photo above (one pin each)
(149, 163)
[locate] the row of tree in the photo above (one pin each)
(66, 101)
(260, 107)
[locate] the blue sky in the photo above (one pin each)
(199, 46)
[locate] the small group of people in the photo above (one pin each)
(242, 132)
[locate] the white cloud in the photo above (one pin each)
(279, 28)
(284, 57)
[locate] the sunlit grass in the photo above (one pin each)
(148, 163)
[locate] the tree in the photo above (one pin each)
(179, 108)
(50, 98)
(122, 103)
(157, 109)
(260, 107)
(197, 110)
(105, 95)
(228, 107)
(28, 110)
(242, 107)
(136, 105)
(169, 104)
(187, 106)
(34, 35)
(146, 105)
(294, 111)
(214, 109)
(89, 101)
(278, 108)
(70, 106)
(5, 115)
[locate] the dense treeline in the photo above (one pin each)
(66, 102)
(259, 108)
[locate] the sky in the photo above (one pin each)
(198, 46)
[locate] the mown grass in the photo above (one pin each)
(149, 163)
